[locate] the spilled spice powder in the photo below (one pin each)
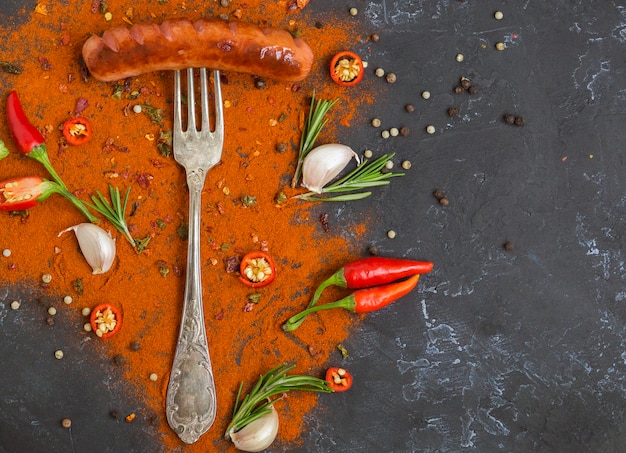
(245, 338)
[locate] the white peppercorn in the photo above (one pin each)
(376, 122)
(430, 129)
(380, 72)
(426, 94)
(384, 134)
(394, 131)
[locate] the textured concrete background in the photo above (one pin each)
(520, 350)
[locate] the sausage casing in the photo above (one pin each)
(181, 43)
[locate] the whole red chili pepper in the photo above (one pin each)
(372, 271)
(18, 194)
(360, 301)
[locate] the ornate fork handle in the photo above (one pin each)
(190, 401)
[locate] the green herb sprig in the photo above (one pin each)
(114, 212)
(313, 124)
(366, 175)
(258, 402)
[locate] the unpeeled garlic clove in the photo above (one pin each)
(96, 245)
(257, 435)
(323, 163)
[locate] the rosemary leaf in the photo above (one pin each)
(259, 400)
(314, 123)
(114, 211)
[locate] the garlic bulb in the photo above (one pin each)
(323, 163)
(256, 435)
(96, 245)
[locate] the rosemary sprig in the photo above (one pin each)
(366, 175)
(258, 401)
(313, 124)
(115, 211)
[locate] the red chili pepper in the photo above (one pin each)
(26, 136)
(105, 320)
(339, 379)
(360, 301)
(346, 68)
(372, 271)
(77, 131)
(257, 269)
(18, 194)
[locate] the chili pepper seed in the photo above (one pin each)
(87, 327)
(409, 108)
(508, 246)
(391, 78)
(389, 165)
(86, 311)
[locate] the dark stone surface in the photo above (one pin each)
(498, 350)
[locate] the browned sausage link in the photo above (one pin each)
(180, 43)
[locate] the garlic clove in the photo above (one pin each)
(96, 245)
(257, 435)
(323, 163)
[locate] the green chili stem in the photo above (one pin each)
(348, 303)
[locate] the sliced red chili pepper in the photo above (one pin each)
(257, 269)
(18, 194)
(105, 320)
(360, 301)
(346, 68)
(339, 379)
(26, 136)
(77, 131)
(372, 271)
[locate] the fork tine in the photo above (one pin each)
(177, 103)
(219, 110)
(191, 102)
(206, 125)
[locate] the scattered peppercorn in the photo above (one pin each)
(472, 90)
(438, 194)
(510, 119)
(259, 83)
(114, 414)
(394, 131)
(409, 108)
(374, 37)
(135, 346)
(519, 120)
(459, 89)
(459, 57)
(66, 423)
(508, 246)
(452, 112)
(404, 131)
(466, 83)
(444, 201)
(50, 321)
(281, 147)
(376, 122)
(391, 234)
(380, 72)
(430, 129)
(500, 46)
(58, 354)
(119, 359)
(391, 78)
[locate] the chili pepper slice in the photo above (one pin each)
(361, 301)
(339, 379)
(346, 68)
(18, 194)
(372, 271)
(77, 131)
(257, 269)
(105, 320)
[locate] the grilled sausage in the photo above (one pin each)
(213, 43)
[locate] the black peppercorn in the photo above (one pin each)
(259, 83)
(459, 89)
(404, 131)
(50, 321)
(510, 119)
(519, 120)
(373, 250)
(409, 108)
(119, 359)
(114, 414)
(466, 84)
(508, 246)
(135, 346)
(374, 37)
(452, 112)
(439, 194)
(281, 147)
(444, 201)
(472, 90)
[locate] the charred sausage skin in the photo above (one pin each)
(181, 43)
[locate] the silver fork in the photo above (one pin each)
(190, 404)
